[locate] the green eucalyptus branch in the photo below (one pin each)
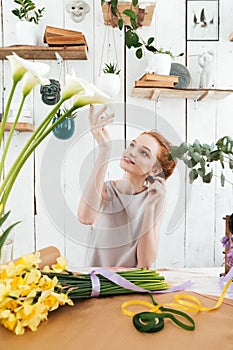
(199, 158)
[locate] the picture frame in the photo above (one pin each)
(202, 20)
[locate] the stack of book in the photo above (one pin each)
(157, 80)
(63, 37)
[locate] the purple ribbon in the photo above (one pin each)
(225, 279)
(124, 283)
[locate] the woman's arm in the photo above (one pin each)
(147, 248)
(94, 191)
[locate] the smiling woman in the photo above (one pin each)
(125, 215)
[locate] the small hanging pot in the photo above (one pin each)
(109, 83)
(65, 129)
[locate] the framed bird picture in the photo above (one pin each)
(202, 20)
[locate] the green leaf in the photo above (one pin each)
(120, 23)
(113, 10)
(5, 234)
(114, 3)
(193, 175)
(191, 163)
(214, 155)
(231, 163)
(151, 48)
(133, 23)
(207, 178)
(4, 217)
(201, 171)
(130, 13)
(222, 179)
(139, 53)
(135, 3)
(202, 162)
(150, 41)
(184, 147)
(196, 157)
(176, 152)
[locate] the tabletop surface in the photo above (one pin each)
(99, 324)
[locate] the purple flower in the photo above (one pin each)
(230, 257)
(225, 240)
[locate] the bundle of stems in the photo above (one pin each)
(78, 285)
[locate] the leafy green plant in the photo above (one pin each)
(111, 68)
(67, 112)
(200, 158)
(132, 39)
(27, 11)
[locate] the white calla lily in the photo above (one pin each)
(37, 69)
(18, 70)
(30, 81)
(92, 95)
(73, 86)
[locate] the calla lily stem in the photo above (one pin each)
(21, 159)
(10, 136)
(14, 84)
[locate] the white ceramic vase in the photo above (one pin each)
(26, 33)
(159, 63)
(109, 83)
(6, 253)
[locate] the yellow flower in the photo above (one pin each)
(29, 260)
(61, 264)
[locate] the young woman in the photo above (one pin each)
(125, 215)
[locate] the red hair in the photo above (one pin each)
(167, 165)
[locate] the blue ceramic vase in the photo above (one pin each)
(65, 129)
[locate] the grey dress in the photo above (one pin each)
(112, 241)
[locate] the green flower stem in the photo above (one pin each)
(5, 150)
(14, 84)
(80, 285)
(28, 145)
(12, 175)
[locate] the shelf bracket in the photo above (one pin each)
(203, 96)
(155, 95)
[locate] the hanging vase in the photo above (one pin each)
(65, 129)
(6, 253)
(109, 83)
(26, 33)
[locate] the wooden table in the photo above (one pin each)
(98, 324)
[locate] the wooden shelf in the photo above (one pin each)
(77, 52)
(195, 94)
(19, 127)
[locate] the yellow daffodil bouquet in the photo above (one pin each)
(28, 294)
(33, 73)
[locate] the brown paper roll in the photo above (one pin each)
(48, 256)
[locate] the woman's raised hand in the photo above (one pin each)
(157, 191)
(97, 124)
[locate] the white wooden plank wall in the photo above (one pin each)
(48, 189)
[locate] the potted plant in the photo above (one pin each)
(65, 129)
(29, 17)
(201, 160)
(132, 38)
(109, 79)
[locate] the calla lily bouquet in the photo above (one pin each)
(79, 90)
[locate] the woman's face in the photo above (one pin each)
(140, 156)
